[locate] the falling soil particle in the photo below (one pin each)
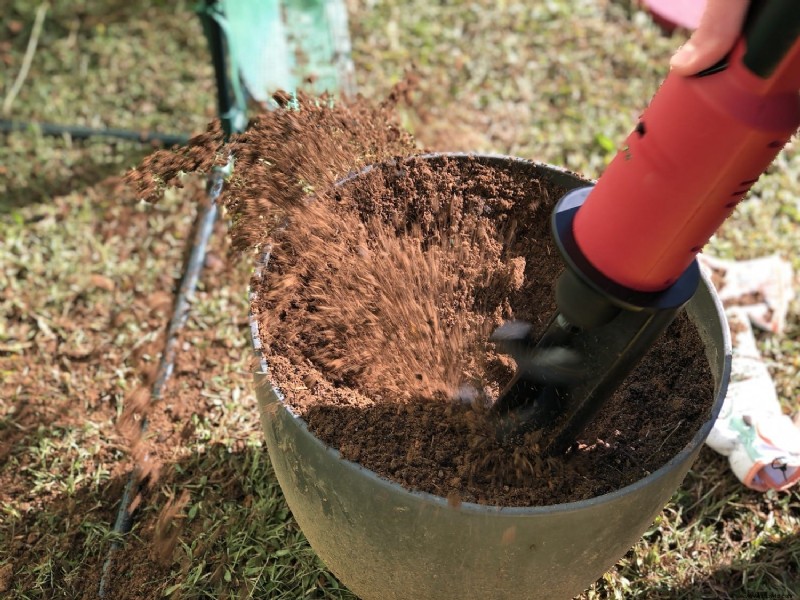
(168, 528)
(6, 573)
(379, 295)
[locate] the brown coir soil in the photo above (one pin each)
(379, 296)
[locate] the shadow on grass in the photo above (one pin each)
(49, 181)
(773, 573)
(720, 540)
(233, 537)
(22, 424)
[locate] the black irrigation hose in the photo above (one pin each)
(79, 132)
(206, 219)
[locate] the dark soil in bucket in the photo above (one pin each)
(412, 406)
(379, 296)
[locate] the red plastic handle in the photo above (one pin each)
(697, 150)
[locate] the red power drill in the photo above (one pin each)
(630, 241)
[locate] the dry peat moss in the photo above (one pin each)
(380, 293)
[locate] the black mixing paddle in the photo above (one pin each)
(630, 242)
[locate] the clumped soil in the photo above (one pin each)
(379, 295)
(396, 421)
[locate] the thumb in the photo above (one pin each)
(719, 29)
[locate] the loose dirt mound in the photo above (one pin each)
(492, 228)
(380, 294)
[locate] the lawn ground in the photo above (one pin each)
(87, 274)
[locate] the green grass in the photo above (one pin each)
(555, 81)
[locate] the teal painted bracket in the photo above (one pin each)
(283, 45)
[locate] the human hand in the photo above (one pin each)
(720, 26)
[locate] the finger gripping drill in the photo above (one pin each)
(630, 242)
